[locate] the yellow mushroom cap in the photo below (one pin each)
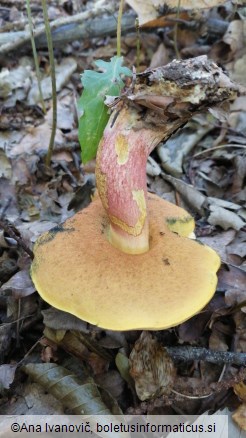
(77, 270)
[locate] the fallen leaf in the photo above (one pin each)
(238, 245)
(192, 329)
(112, 382)
(20, 285)
(14, 84)
(239, 416)
(220, 242)
(7, 375)
(6, 334)
(49, 354)
(152, 168)
(36, 141)
(82, 196)
(56, 320)
(63, 72)
(78, 397)
(235, 296)
(224, 218)
(218, 337)
(5, 166)
(190, 194)
(223, 203)
(122, 363)
(240, 390)
(149, 10)
(151, 368)
(231, 277)
(160, 57)
(32, 230)
(235, 35)
(30, 399)
(112, 339)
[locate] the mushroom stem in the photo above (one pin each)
(163, 100)
(121, 176)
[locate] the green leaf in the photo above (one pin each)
(80, 398)
(93, 112)
(122, 363)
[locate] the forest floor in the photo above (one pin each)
(201, 168)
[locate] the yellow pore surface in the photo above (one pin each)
(77, 270)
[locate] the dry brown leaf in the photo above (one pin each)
(5, 166)
(235, 35)
(174, 151)
(14, 84)
(240, 390)
(219, 242)
(238, 245)
(190, 194)
(20, 284)
(192, 329)
(37, 140)
(235, 38)
(56, 320)
(6, 333)
(160, 57)
(112, 382)
(235, 296)
(224, 218)
(153, 168)
(7, 374)
(239, 416)
(217, 340)
(232, 277)
(48, 354)
(151, 368)
(149, 9)
(63, 73)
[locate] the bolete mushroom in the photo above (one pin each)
(126, 261)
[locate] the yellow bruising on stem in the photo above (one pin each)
(139, 198)
(101, 180)
(121, 149)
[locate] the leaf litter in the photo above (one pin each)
(201, 167)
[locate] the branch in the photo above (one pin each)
(217, 357)
(14, 234)
(78, 27)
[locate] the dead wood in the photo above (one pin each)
(78, 27)
(217, 357)
(14, 234)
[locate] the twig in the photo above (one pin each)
(5, 324)
(81, 17)
(222, 146)
(30, 351)
(53, 82)
(65, 33)
(192, 397)
(13, 233)
(233, 266)
(35, 56)
(175, 39)
(138, 44)
(217, 357)
(119, 27)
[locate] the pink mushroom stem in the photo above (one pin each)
(163, 100)
(121, 178)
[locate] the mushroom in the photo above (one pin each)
(126, 261)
